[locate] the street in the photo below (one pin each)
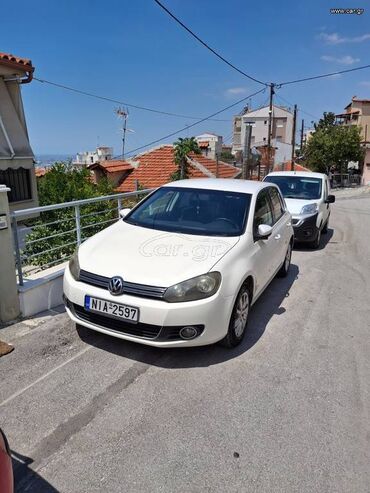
(287, 411)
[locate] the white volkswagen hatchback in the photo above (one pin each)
(184, 266)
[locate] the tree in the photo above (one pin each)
(182, 148)
(53, 235)
(332, 145)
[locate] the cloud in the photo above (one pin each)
(365, 83)
(344, 60)
(336, 39)
(236, 91)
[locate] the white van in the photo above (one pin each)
(308, 199)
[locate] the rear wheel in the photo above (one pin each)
(239, 319)
(284, 269)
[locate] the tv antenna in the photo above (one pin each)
(122, 113)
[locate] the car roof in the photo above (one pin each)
(224, 184)
(308, 174)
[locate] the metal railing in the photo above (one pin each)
(59, 228)
(341, 180)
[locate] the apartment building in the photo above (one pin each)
(281, 132)
(357, 112)
(210, 144)
(101, 153)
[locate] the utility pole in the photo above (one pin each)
(216, 164)
(272, 92)
(302, 134)
(293, 136)
(246, 151)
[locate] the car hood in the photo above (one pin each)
(149, 256)
(295, 205)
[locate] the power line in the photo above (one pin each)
(196, 123)
(320, 76)
(299, 108)
(207, 45)
(110, 100)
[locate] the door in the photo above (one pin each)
(325, 208)
(264, 251)
(282, 222)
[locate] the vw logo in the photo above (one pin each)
(115, 285)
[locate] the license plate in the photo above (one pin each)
(112, 309)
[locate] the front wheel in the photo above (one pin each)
(316, 243)
(239, 319)
(326, 227)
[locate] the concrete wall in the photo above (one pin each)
(9, 302)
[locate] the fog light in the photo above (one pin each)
(188, 332)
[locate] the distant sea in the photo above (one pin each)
(44, 160)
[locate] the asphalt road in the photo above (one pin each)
(288, 411)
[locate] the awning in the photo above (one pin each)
(14, 141)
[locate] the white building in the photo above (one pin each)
(210, 144)
(282, 130)
(101, 153)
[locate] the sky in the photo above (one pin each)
(134, 52)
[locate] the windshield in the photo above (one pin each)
(297, 187)
(193, 211)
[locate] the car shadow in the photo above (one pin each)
(25, 479)
(325, 239)
(267, 306)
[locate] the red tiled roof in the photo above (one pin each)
(39, 172)
(112, 166)
(12, 59)
(156, 167)
(224, 170)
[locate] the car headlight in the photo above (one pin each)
(74, 266)
(193, 289)
(309, 209)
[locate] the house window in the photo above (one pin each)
(265, 122)
(18, 180)
(264, 139)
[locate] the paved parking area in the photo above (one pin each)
(287, 411)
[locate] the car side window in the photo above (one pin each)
(263, 211)
(278, 208)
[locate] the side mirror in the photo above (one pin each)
(123, 212)
(330, 199)
(263, 232)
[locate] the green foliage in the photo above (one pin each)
(332, 145)
(56, 230)
(226, 156)
(182, 148)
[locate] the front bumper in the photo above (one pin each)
(305, 228)
(159, 322)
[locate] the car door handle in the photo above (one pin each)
(277, 237)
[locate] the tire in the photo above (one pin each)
(325, 228)
(284, 269)
(316, 243)
(236, 331)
